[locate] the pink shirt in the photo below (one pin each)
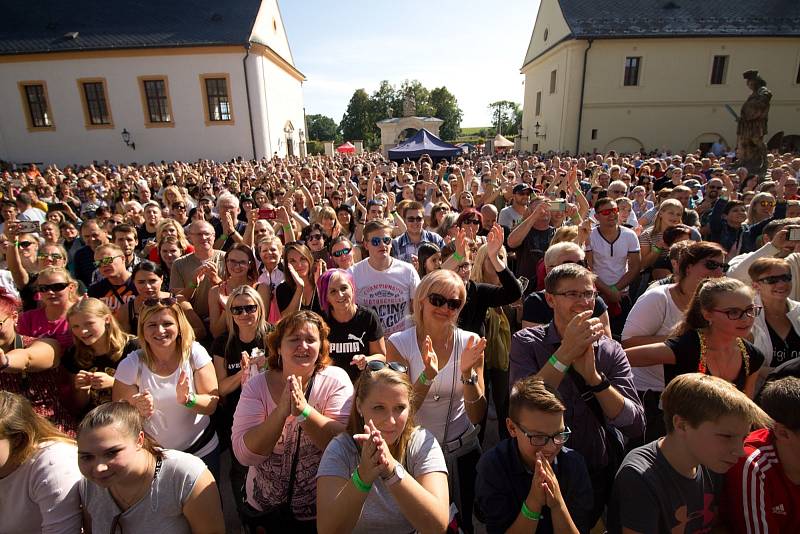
(268, 477)
(34, 323)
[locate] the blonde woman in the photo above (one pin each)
(58, 291)
(448, 389)
(99, 344)
(171, 381)
(761, 207)
(167, 228)
(326, 217)
(651, 241)
(38, 472)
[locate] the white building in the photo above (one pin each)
(185, 79)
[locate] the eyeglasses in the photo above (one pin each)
(608, 211)
(772, 280)
(414, 219)
(712, 265)
(377, 365)
(541, 440)
(55, 288)
(734, 314)
(314, 237)
(106, 261)
(238, 263)
(203, 234)
(440, 300)
(578, 295)
(169, 301)
(464, 267)
(341, 252)
(476, 222)
(24, 244)
(376, 241)
(55, 256)
(247, 308)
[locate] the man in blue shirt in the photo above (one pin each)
(530, 482)
(406, 246)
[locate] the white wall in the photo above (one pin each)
(280, 99)
(71, 142)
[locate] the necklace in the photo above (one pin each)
(702, 366)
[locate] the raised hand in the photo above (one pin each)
(144, 403)
(298, 280)
(472, 356)
(369, 466)
(360, 361)
(297, 398)
(461, 243)
(430, 359)
(581, 332)
(182, 388)
(319, 267)
(494, 241)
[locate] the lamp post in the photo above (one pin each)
(126, 138)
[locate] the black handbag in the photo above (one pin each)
(278, 518)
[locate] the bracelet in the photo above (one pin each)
(613, 287)
(16, 244)
(473, 401)
(530, 514)
(659, 250)
(424, 380)
(458, 256)
(360, 485)
(224, 237)
(304, 414)
(560, 367)
(192, 401)
(287, 227)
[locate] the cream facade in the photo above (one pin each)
(575, 89)
(259, 114)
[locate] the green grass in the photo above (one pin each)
(466, 132)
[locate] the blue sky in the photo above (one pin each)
(473, 48)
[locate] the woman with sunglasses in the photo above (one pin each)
(285, 418)
(171, 381)
(38, 473)
(298, 291)
(470, 220)
(131, 484)
(238, 356)
(314, 238)
(448, 389)
(711, 337)
(49, 255)
(98, 345)
(342, 252)
(439, 210)
(148, 279)
(240, 270)
(57, 290)
(356, 334)
(384, 474)
(761, 207)
(22, 258)
(777, 329)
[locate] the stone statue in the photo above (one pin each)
(409, 104)
(751, 150)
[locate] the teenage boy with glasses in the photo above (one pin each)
(385, 284)
(115, 288)
(405, 247)
(531, 482)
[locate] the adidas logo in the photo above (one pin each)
(778, 510)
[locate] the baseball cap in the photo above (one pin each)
(521, 188)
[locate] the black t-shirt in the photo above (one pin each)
(102, 363)
(144, 235)
(687, 358)
(784, 350)
(233, 364)
(353, 337)
(531, 251)
(535, 309)
(284, 295)
(111, 295)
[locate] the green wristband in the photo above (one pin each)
(458, 256)
(224, 237)
(360, 485)
(194, 285)
(287, 227)
(192, 401)
(424, 380)
(613, 288)
(659, 250)
(530, 514)
(560, 367)
(306, 411)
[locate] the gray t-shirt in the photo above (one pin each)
(380, 512)
(650, 496)
(161, 510)
(182, 275)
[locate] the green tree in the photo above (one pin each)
(504, 116)
(321, 128)
(445, 107)
(386, 102)
(357, 122)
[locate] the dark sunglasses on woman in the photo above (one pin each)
(377, 365)
(55, 288)
(248, 308)
(772, 280)
(712, 265)
(439, 300)
(342, 252)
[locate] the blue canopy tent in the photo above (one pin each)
(424, 142)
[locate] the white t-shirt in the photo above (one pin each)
(41, 495)
(387, 292)
(173, 425)
(654, 314)
(509, 217)
(610, 260)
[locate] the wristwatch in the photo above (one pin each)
(602, 386)
(472, 380)
(397, 476)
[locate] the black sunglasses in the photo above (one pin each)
(377, 365)
(169, 301)
(376, 241)
(439, 300)
(471, 221)
(772, 280)
(55, 288)
(247, 308)
(712, 265)
(25, 244)
(342, 252)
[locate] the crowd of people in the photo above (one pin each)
(515, 343)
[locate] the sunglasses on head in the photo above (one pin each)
(169, 301)
(342, 252)
(55, 256)
(440, 300)
(377, 365)
(608, 211)
(55, 288)
(247, 308)
(772, 280)
(376, 241)
(712, 265)
(105, 261)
